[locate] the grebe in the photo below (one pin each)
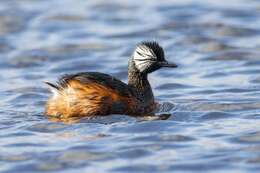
(94, 93)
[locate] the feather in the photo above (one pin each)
(55, 89)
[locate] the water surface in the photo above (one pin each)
(213, 97)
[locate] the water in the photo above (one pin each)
(213, 97)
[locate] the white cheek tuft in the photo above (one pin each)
(142, 65)
(143, 57)
(143, 52)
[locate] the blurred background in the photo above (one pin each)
(213, 97)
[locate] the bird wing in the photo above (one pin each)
(86, 78)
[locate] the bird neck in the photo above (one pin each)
(140, 85)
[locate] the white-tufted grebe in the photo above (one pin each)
(94, 93)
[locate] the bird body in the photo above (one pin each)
(93, 93)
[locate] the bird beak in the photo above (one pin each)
(167, 64)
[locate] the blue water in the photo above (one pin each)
(213, 97)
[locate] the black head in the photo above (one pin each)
(149, 57)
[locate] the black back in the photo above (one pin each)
(95, 77)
